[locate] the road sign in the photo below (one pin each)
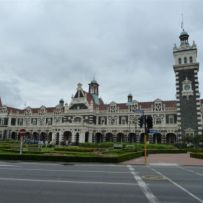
(22, 132)
(152, 131)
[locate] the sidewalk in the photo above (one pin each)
(180, 159)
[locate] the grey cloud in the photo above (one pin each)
(49, 46)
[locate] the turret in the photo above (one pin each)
(130, 98)
(61, 102)
(94, 87)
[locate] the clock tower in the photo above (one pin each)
(187, 87)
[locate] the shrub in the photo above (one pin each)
(166, 151)
(71, 158)
(74, 149)
(98, 145)
(196, 155)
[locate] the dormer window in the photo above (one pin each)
(191, 61)
(180, 61)
(158, 106)
(185, 60)
(113, 107)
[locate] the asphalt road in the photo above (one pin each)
(22, 182)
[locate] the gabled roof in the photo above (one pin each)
(14, 110)
(34, 110)
(145, 105)
(89, 97)
(170, 103)
(142, 105)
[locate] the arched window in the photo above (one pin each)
(191, 61)
(77, 120)
(185, 60)
(179, 61)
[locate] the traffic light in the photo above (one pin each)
(141, 121)
(149, 122)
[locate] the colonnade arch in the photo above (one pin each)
(67, 138)
(156, 138)
(170, 138)
(99, 137)
(14, 136)
(132, 137)
(109, 137)
(86, 137)
(120, 137)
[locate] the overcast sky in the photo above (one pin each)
(48, 46)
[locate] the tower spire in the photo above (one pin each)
(182, 22)
(0, 102)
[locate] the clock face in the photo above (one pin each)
(186, 87)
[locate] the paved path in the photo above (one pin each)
(180, 159)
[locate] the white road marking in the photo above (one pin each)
(7, 165)
(63, 170)
(67, 181)
(191, 171)
(66, 163)
(163, 164)
(179, 186)
(143, 186)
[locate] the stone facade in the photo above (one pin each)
(88, 119)
(187, 87)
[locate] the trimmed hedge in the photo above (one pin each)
(74, 149)
(166, 151)
(103, 159)
(195, 150)
(86, 158)
(196, 155)
(98, 145)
